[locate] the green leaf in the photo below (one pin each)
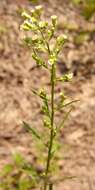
(6, 170)
(56, 147)
(19, 160)
(26, 183)
(28, 41)
(39, 60)
(45, 107)
(67, 104)
(32, 130)
(31, 171)
(35, 92)
(64, 119)
(56, 181)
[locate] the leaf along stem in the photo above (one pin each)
(65, 119)
(67, 104)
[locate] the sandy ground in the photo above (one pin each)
(18, 76)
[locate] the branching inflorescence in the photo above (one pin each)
(40, 39)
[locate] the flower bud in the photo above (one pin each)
(39, 8)
(61, 39)
(25, 15)
(54, 20)
(67, 77)
(52, 59)
(33, 12)
(43, 24)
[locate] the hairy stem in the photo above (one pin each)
(52, 126)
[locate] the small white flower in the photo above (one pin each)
(39, 7)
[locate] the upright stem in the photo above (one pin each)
(52, 126)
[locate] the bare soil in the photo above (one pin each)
(18, 75)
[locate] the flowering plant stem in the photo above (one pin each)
(52, 125)
(43, 41)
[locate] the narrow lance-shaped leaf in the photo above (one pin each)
(32, 130)
(56, 147)
(64, 120)
(35, 92)
(42, 94)
(39, 60)
(66, 104)
(47, 107)
(56, 181)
